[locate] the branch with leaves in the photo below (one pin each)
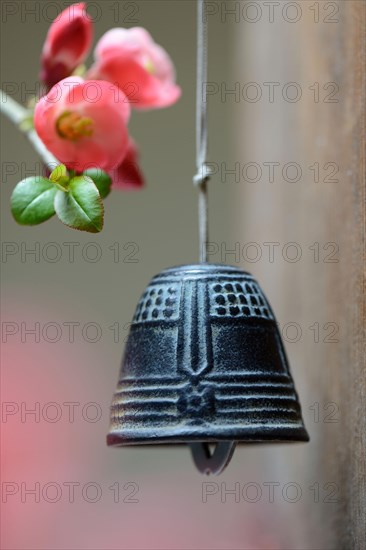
(79, 127)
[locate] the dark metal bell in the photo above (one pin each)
(204, 363)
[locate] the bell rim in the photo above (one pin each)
(245, 435)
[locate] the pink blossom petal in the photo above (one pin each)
(67, 44)
(128, 175)
(142, 69)
(82, 133)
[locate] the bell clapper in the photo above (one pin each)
(216, 462)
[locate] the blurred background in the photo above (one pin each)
(286, 116)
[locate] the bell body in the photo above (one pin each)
(204, 362)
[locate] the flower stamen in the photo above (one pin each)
(72, 126)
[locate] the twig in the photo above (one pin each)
(17, 114)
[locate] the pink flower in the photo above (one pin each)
(127, 175)
(67, 44)
(143, 70)
(84, 124)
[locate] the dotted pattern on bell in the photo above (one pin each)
(238, 299)
(159, 302)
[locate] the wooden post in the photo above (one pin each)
(324, 291)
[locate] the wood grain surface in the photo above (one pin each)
(328, 290)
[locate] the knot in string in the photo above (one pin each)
(203, 175)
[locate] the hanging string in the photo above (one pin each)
(202, 171)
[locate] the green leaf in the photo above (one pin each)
(101, 180)
(82, 207)
(60, 175)
(32, 200)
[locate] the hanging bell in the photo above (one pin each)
(204, 364)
